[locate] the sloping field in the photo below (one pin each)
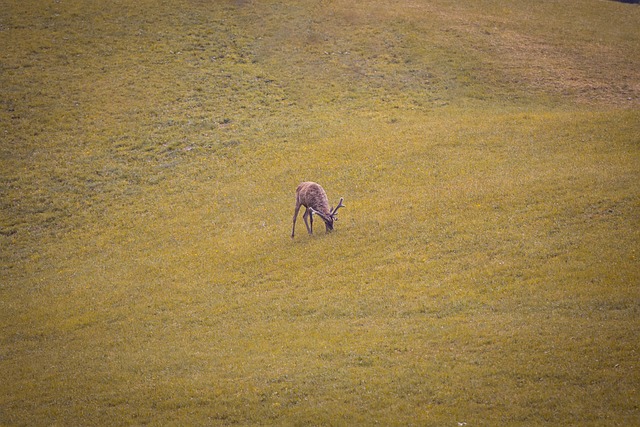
(484, 272)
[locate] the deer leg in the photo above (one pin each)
(295, 216)
(306, 214)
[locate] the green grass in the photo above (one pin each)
(485, 270)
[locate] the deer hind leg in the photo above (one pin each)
(295, 216)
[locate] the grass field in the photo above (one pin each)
(484, 272)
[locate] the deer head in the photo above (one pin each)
(331, 217)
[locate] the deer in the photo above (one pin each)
(313, 197)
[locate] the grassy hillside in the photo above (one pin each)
(484, 272)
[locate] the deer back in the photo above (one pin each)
(312, 195)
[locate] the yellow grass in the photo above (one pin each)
(484, 272)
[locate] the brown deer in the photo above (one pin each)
(314, 199)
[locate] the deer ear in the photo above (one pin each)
(313, 211)
(320, 214)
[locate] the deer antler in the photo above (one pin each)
(340, 205)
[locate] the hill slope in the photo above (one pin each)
(485, 268)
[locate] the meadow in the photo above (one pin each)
(485, 269)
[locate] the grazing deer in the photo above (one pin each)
(314, 199)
